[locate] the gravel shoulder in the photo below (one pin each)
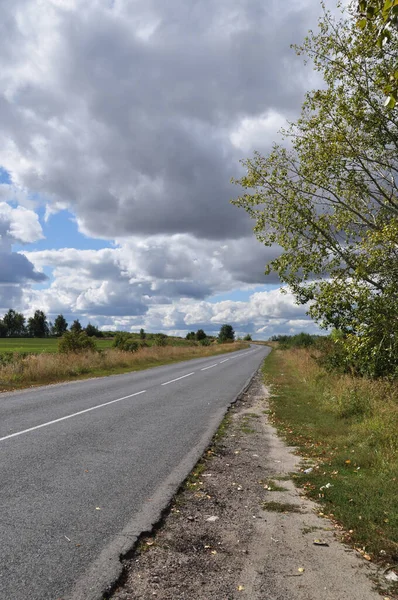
(239, 528)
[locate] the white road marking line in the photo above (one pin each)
(178, 378)
(81, 412)
(211, 366)
(225, 360)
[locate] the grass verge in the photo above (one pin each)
(40, 369)
(346, 428)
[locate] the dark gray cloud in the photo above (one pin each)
(16, 268)
(126, 113)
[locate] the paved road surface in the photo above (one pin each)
(87, 466)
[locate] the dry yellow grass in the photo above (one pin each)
(37, 369)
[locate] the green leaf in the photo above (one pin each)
(390, 102)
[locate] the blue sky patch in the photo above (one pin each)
(4, 176)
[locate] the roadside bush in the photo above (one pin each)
(6, 358)
(124, 341)
(160, 339)
(76, 341)
(334, 356)
(205, 342)
(301, 340)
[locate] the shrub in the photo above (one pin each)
(301, 340)
(76, 341)
(205, 342)
(160, 339)
(124, 341)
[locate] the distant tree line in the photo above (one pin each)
(226, 335)
(15, 324)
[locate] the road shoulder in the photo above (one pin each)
(240, 529)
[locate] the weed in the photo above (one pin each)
(280, 507)
(245, 429)
(271, 486)
(311, 529)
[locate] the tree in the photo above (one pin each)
(142, 334)
(3, 329)
(226, 334)
(247, 338)
(93, 331)
(14, 323)
(76, 326)
(200, 335)
(380, 17)
(38, 325)
(190, 336)
(329, 199)
(60, 325)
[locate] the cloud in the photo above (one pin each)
(263, 315)
(141, 284)
(135, 114)
(16, 225)
(142, 272)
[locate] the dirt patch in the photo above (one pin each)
(235, 532)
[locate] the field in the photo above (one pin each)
(39, 345)
(50, 345)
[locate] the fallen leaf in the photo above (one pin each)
(320, 543)
(301, 570)
(97, 508)
(241, 588)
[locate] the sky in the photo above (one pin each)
(122, 123)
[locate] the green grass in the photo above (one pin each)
(39, 345)
(271, 486)
(50, 345)
(348, 428)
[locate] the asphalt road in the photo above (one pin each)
(87, 466)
